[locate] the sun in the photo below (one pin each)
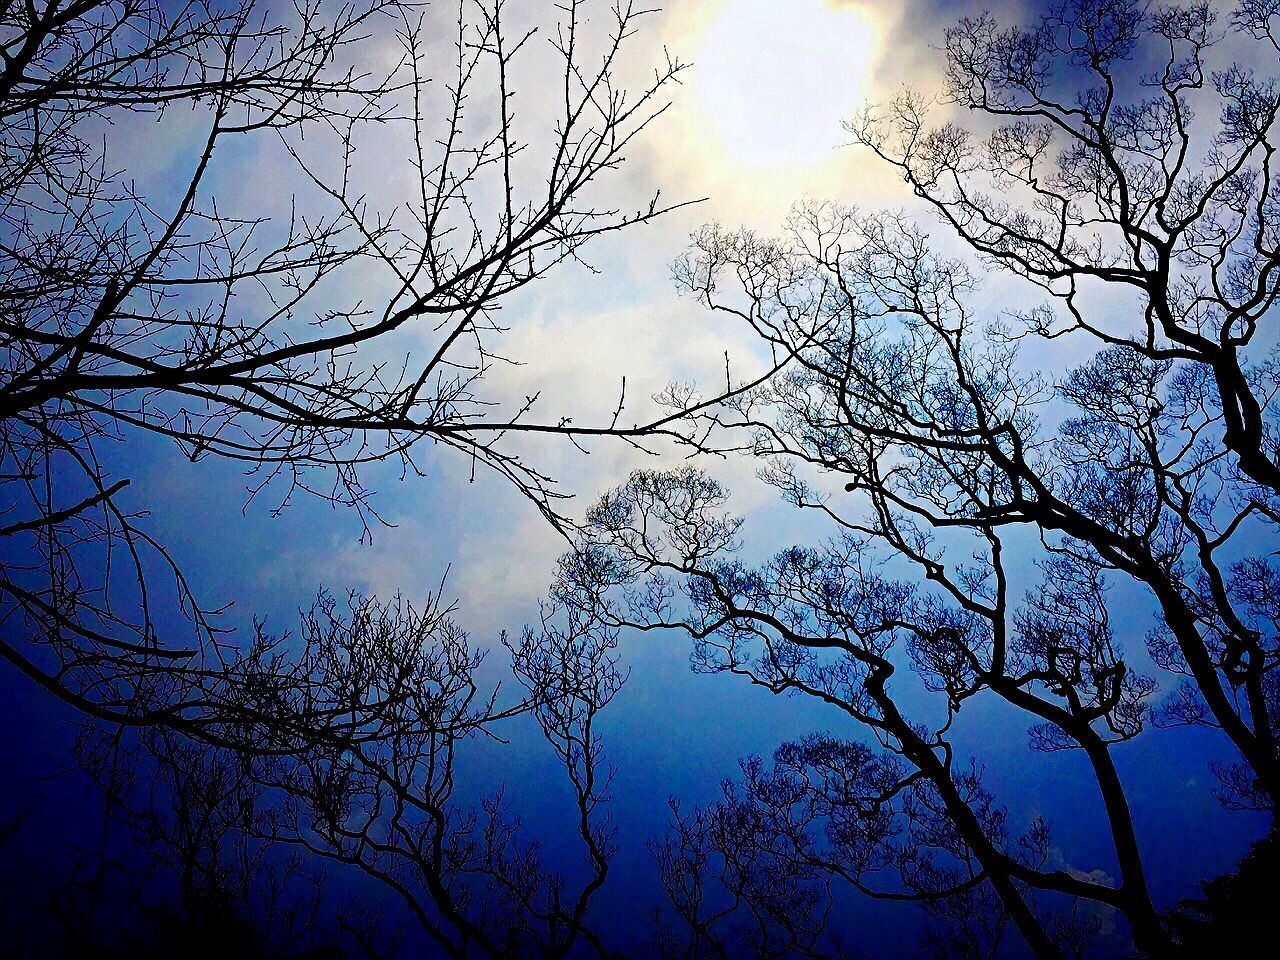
(774, 81)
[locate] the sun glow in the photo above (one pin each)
(758, 122)
(774, 81)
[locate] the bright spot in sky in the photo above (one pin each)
(776, 80)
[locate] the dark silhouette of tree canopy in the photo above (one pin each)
(272, 334)
(1109, 165)
(1233, 911)
(190, 878)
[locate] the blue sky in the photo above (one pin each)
(579, 332)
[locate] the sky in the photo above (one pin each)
(755, 127)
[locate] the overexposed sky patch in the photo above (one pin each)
(758, 124)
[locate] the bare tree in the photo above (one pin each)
(1152, 185)
(914, 821)
(1148, 461)
(244, 828)
(177, 867)
(273, 339)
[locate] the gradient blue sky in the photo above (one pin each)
(669, 733)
